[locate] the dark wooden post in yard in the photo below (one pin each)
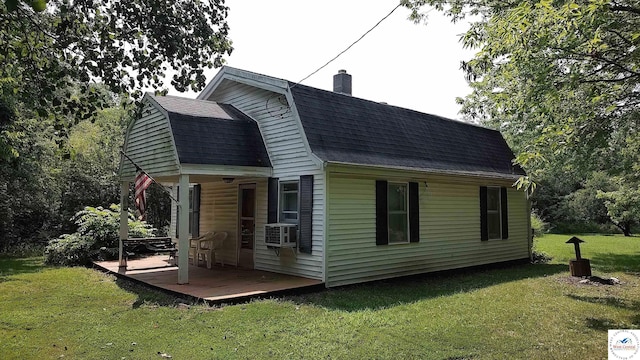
(578, 267)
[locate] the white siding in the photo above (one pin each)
(449, 231)
(149, 143)
(306, 265)
(219, 212)
(280, 130)
(289, 159)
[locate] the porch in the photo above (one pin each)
(216, 285)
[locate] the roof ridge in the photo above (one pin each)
(293, 85)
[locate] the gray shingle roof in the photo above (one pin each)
(206, 132)
(342, 128)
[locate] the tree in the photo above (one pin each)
(623, 204)
(558, 78)
(54, 53)
(88, 175)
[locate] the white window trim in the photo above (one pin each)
(406, 202)
(499, 212)
(281, 193)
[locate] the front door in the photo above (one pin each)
(246, 224)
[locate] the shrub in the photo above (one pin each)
(538, 226)
(540, 257)
(97, 237)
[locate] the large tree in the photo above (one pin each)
(54, 52)
(561, 80)
(558, 78)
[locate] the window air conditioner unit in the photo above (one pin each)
(280, 235)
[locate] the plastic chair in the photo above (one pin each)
(194, 246)
(209, 247)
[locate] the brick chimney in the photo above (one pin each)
(342, 82)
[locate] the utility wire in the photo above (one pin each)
(349, 47)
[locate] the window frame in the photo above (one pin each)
(406, 211)
(497, 212)
(281, 194)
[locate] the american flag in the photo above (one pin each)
(143, 181)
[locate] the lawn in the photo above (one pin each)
(522, 312)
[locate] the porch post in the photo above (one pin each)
(124, 220)
(183, 231)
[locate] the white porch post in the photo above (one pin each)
(183, 233)
(124, 220)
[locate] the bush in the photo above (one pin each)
(538, 226)
(540, 257)
(97, 237)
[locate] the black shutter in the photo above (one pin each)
(414, 212)
(272, 201)
(195, 225)
(178, 213)
(382, 221)
(484, 230)
(504, 213)
(306, 213)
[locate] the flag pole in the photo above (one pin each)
(138, 168)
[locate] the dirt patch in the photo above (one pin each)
(590, 280)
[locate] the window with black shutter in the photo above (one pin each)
(292, 202)
(493, 213)
(397, 212)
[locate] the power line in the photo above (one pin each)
(349, 47)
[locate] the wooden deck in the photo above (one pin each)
(216, 285)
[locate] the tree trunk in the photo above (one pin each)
(625, 227)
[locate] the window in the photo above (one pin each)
(398, 214)
(493, 213)
(292, 202)
(289, 202)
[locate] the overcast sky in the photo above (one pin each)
(411, 65)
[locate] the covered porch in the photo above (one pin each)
(213, 160)
(216, 285)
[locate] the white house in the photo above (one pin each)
(372, 191)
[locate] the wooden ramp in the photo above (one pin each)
(216, 285)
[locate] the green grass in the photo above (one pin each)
(522, 312)
(607, 253)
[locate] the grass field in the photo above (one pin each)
(522, 312)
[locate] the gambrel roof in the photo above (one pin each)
(335, 127)
(345, 129)
(206, 132)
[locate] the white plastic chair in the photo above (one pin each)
(194, 246)
(209, 247)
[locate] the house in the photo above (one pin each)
(374, 191)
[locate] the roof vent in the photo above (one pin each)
(342, 82)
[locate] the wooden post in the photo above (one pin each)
(183, 232)
(578, 267)
(124, 221)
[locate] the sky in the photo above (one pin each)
(415, 66)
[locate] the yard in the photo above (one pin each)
(527, 311)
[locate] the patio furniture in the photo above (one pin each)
(194, 246)
(209, 247)
(137, 246)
